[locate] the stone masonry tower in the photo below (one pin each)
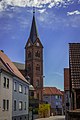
(34, 60)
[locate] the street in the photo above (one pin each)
(53, 118)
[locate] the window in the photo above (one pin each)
(46, 97)
(7, 83)
(26, 90)
(20, 105)
(14, 105)
(15, 86)
(4, 84)
(20, 88)
(25, 106)
(57, 103)
(60, 97)
(4, 104)
(56, 96)
(7, 105)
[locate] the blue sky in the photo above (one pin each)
(58, 23)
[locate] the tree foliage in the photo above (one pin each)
(44, 110)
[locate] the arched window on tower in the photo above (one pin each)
(37, 53)
(29, 54)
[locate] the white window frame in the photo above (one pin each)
(20, 88)
(20, 105)
(15, 86)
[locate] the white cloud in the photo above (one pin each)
(79, 1)
(53, 21)
(31, 3)
(51, 5)
(76, 12)
(42, 10)
(2, 5)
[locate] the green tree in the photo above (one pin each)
(44, 110)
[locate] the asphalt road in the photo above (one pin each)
(53, 118)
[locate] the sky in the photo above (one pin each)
(58, 24)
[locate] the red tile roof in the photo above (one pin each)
(11, 67)
(51, 91)
(3, 67)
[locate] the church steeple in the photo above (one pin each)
(33, 33)
(34, 60)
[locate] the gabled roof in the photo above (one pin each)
(51, 91)
(3, 67)
(10, 66)
(20, 66)
(33, 33)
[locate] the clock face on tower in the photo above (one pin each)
(37, 44)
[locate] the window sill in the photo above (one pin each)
(20, 109)
(20, 92)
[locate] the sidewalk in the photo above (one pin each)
(53, 118)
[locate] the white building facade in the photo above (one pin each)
(14, 91)
(5, 96)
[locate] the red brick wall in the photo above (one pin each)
(66, 79)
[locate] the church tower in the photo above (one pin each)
(34, 60)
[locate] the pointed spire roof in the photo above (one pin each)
(33, 33)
